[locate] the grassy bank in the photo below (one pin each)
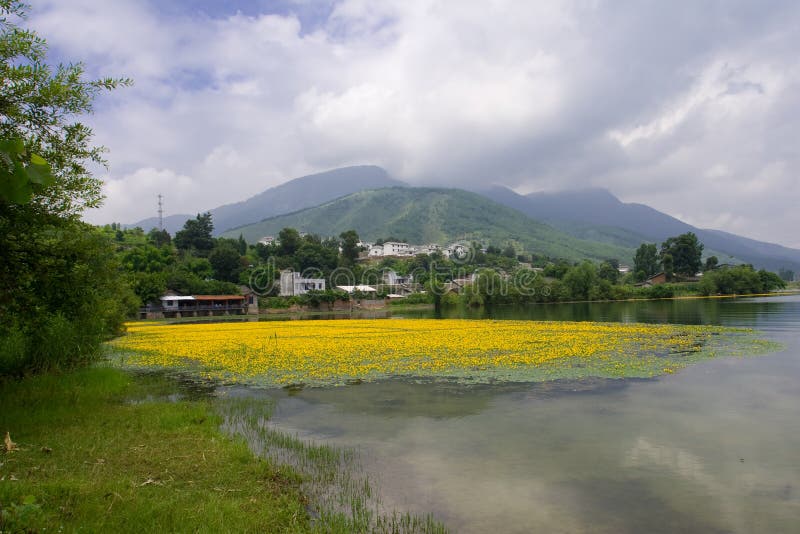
(102, 450)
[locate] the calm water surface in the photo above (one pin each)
(713, 448)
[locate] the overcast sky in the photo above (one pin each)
(692, 107)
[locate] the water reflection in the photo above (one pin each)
(714, 448)
(721, 311)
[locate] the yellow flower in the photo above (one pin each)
(319, 352)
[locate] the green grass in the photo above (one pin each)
(89, 458)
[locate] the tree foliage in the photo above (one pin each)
(686, 252)
(61, 292)
(40, 106)
(646, 262)
(739, 280)
(196, 235)
(226, 262)
(350, 248)
(580, 280)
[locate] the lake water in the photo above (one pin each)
(713, 448)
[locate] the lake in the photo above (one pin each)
(712, 448)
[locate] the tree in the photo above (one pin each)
(242, 245)
(770, 280)
(686, 251)
(148, 286)
(711, 263)
(739, 280)
(159, 238)
(196, 235)
(606, 271)
(61, 293)
(39, 105)
(147, 259)
(580, 280)
(22, 173)
(226, 262)
(645, 262)
(557, 270)
(289, 241)
(350, 247)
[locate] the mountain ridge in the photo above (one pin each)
(591, 214)
(424, 215)
(579, 212)
(296, 194)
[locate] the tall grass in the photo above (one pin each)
(342, 497)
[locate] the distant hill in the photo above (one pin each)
(598, 215)
(293, 195)
(431, 215)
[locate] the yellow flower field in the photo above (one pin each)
(337, 351)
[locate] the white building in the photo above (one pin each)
(375, 251)
(267, 240)
(430, 248)
(394, 248)
(360, 288)
(456, 250)
(293, 283)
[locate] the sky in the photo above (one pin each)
(692, 107)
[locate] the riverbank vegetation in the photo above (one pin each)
(60, 292)
(101, 450)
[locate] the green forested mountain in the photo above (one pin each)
(598, 215)
(303, 192)
(425, 215)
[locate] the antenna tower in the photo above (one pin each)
(160, 213)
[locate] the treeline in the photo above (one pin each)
(739, 280)
(584, 282)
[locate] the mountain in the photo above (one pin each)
(598, 215)
(431, 215)
(303, 192)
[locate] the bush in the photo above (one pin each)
(661, 291)
(315, 298)
(418, 298)
(278, 303)
(739, 280)
(65, 295)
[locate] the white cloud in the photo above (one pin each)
(639, 98)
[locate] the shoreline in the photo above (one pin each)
(378, 313)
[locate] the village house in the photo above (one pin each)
(396, 248)
(456, 250)
(391, 278)
(656, 279)
(251, 299)
(369, 291)
(196, 306)
(430, 248)
(293, 283)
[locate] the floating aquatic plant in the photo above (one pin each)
(315, 353)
